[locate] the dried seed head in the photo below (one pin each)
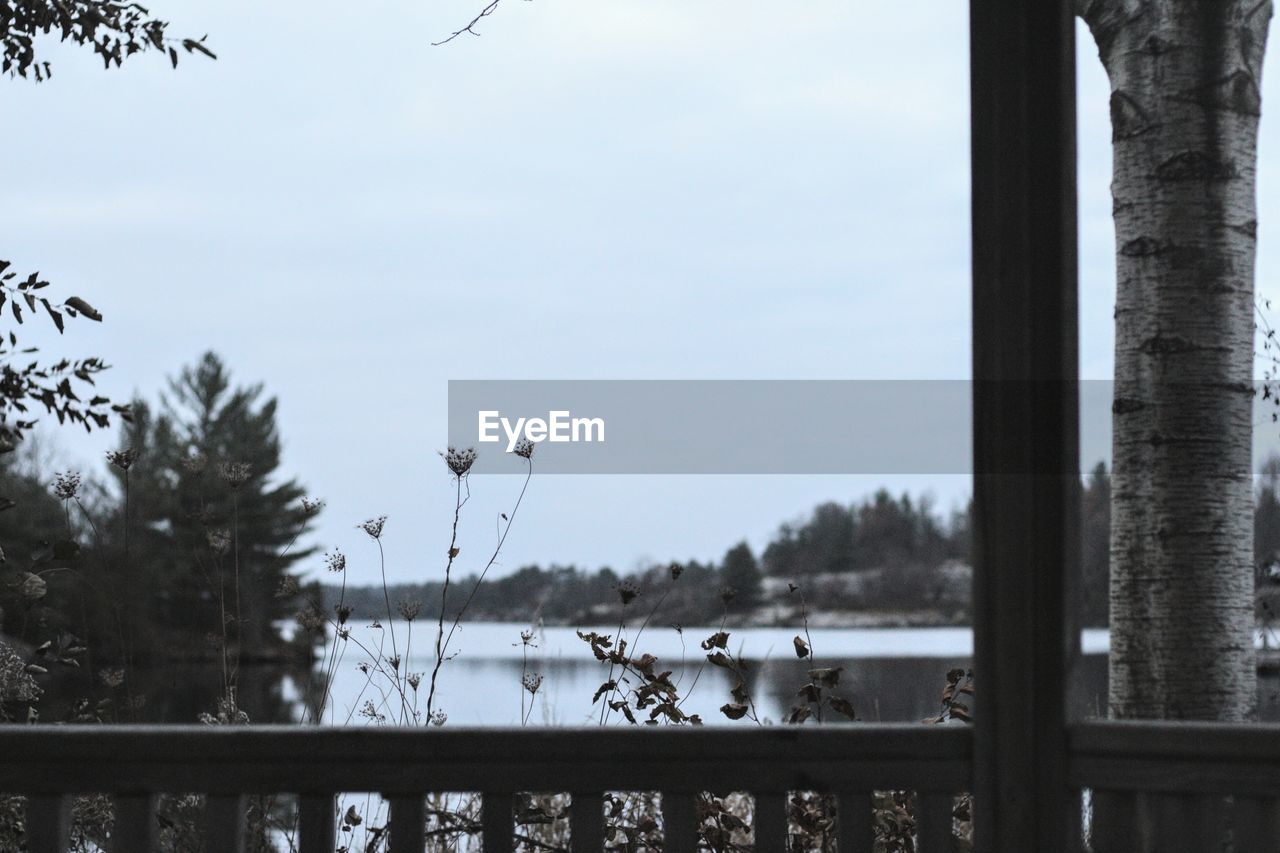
(627, 591)
(122, 459)
(66, 485)
(311, 619)
(235, 473)
(17, 683)
(311, 506)
(288, 587)
(336, 561)
(532, 682)
(438, 718)
(526, 636)
(459, 461)
(524, 448)
(111, 677)
(414, 679)
(219, 540)
(344, 613)
(409, 608)
(373, 526)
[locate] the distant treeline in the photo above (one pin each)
(882, 554)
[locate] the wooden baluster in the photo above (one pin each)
(407, 823)
(224, 823)
(856, 831)
(586, 823)
(771, 823)
(317, 823)
(680, 822)
(1257, 825)
(48, 823)
(135, 829)
(1188, 823)
(495, 820)
(1115, 822)
(933, 822)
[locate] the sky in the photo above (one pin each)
(627, 189)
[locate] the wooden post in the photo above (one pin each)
(1026, 445)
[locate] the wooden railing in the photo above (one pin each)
(1170, 787)
(1181, 786)
(136, 763)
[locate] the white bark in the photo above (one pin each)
(1184, 108)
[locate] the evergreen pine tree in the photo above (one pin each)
(740, 573)
(209, 529)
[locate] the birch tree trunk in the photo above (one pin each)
(1185, 105)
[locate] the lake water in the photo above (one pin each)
(891, 674)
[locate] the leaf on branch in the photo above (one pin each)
(55, 316)
(603, 689)
(84, 308)
(193, 44)
(718, 640)
(843, 706)
(827, 677)
(720, 659)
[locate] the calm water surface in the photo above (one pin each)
(890, 674)
(894, 674)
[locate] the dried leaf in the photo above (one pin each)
(843, 706)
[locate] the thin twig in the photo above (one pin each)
(470, 27)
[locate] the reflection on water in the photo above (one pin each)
(890, 675)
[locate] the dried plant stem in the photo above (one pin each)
(697, 675)
(386, 596)
(116, 616)
(442, 649)
(804, 616)
(235, 562)
(458, 502)
(604, 707)
(524, 673)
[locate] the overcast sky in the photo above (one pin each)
(607, 189)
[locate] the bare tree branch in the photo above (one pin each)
(470, 27)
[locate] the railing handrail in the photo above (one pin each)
(1181, 770)
(1171, 756)
(249, 759)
